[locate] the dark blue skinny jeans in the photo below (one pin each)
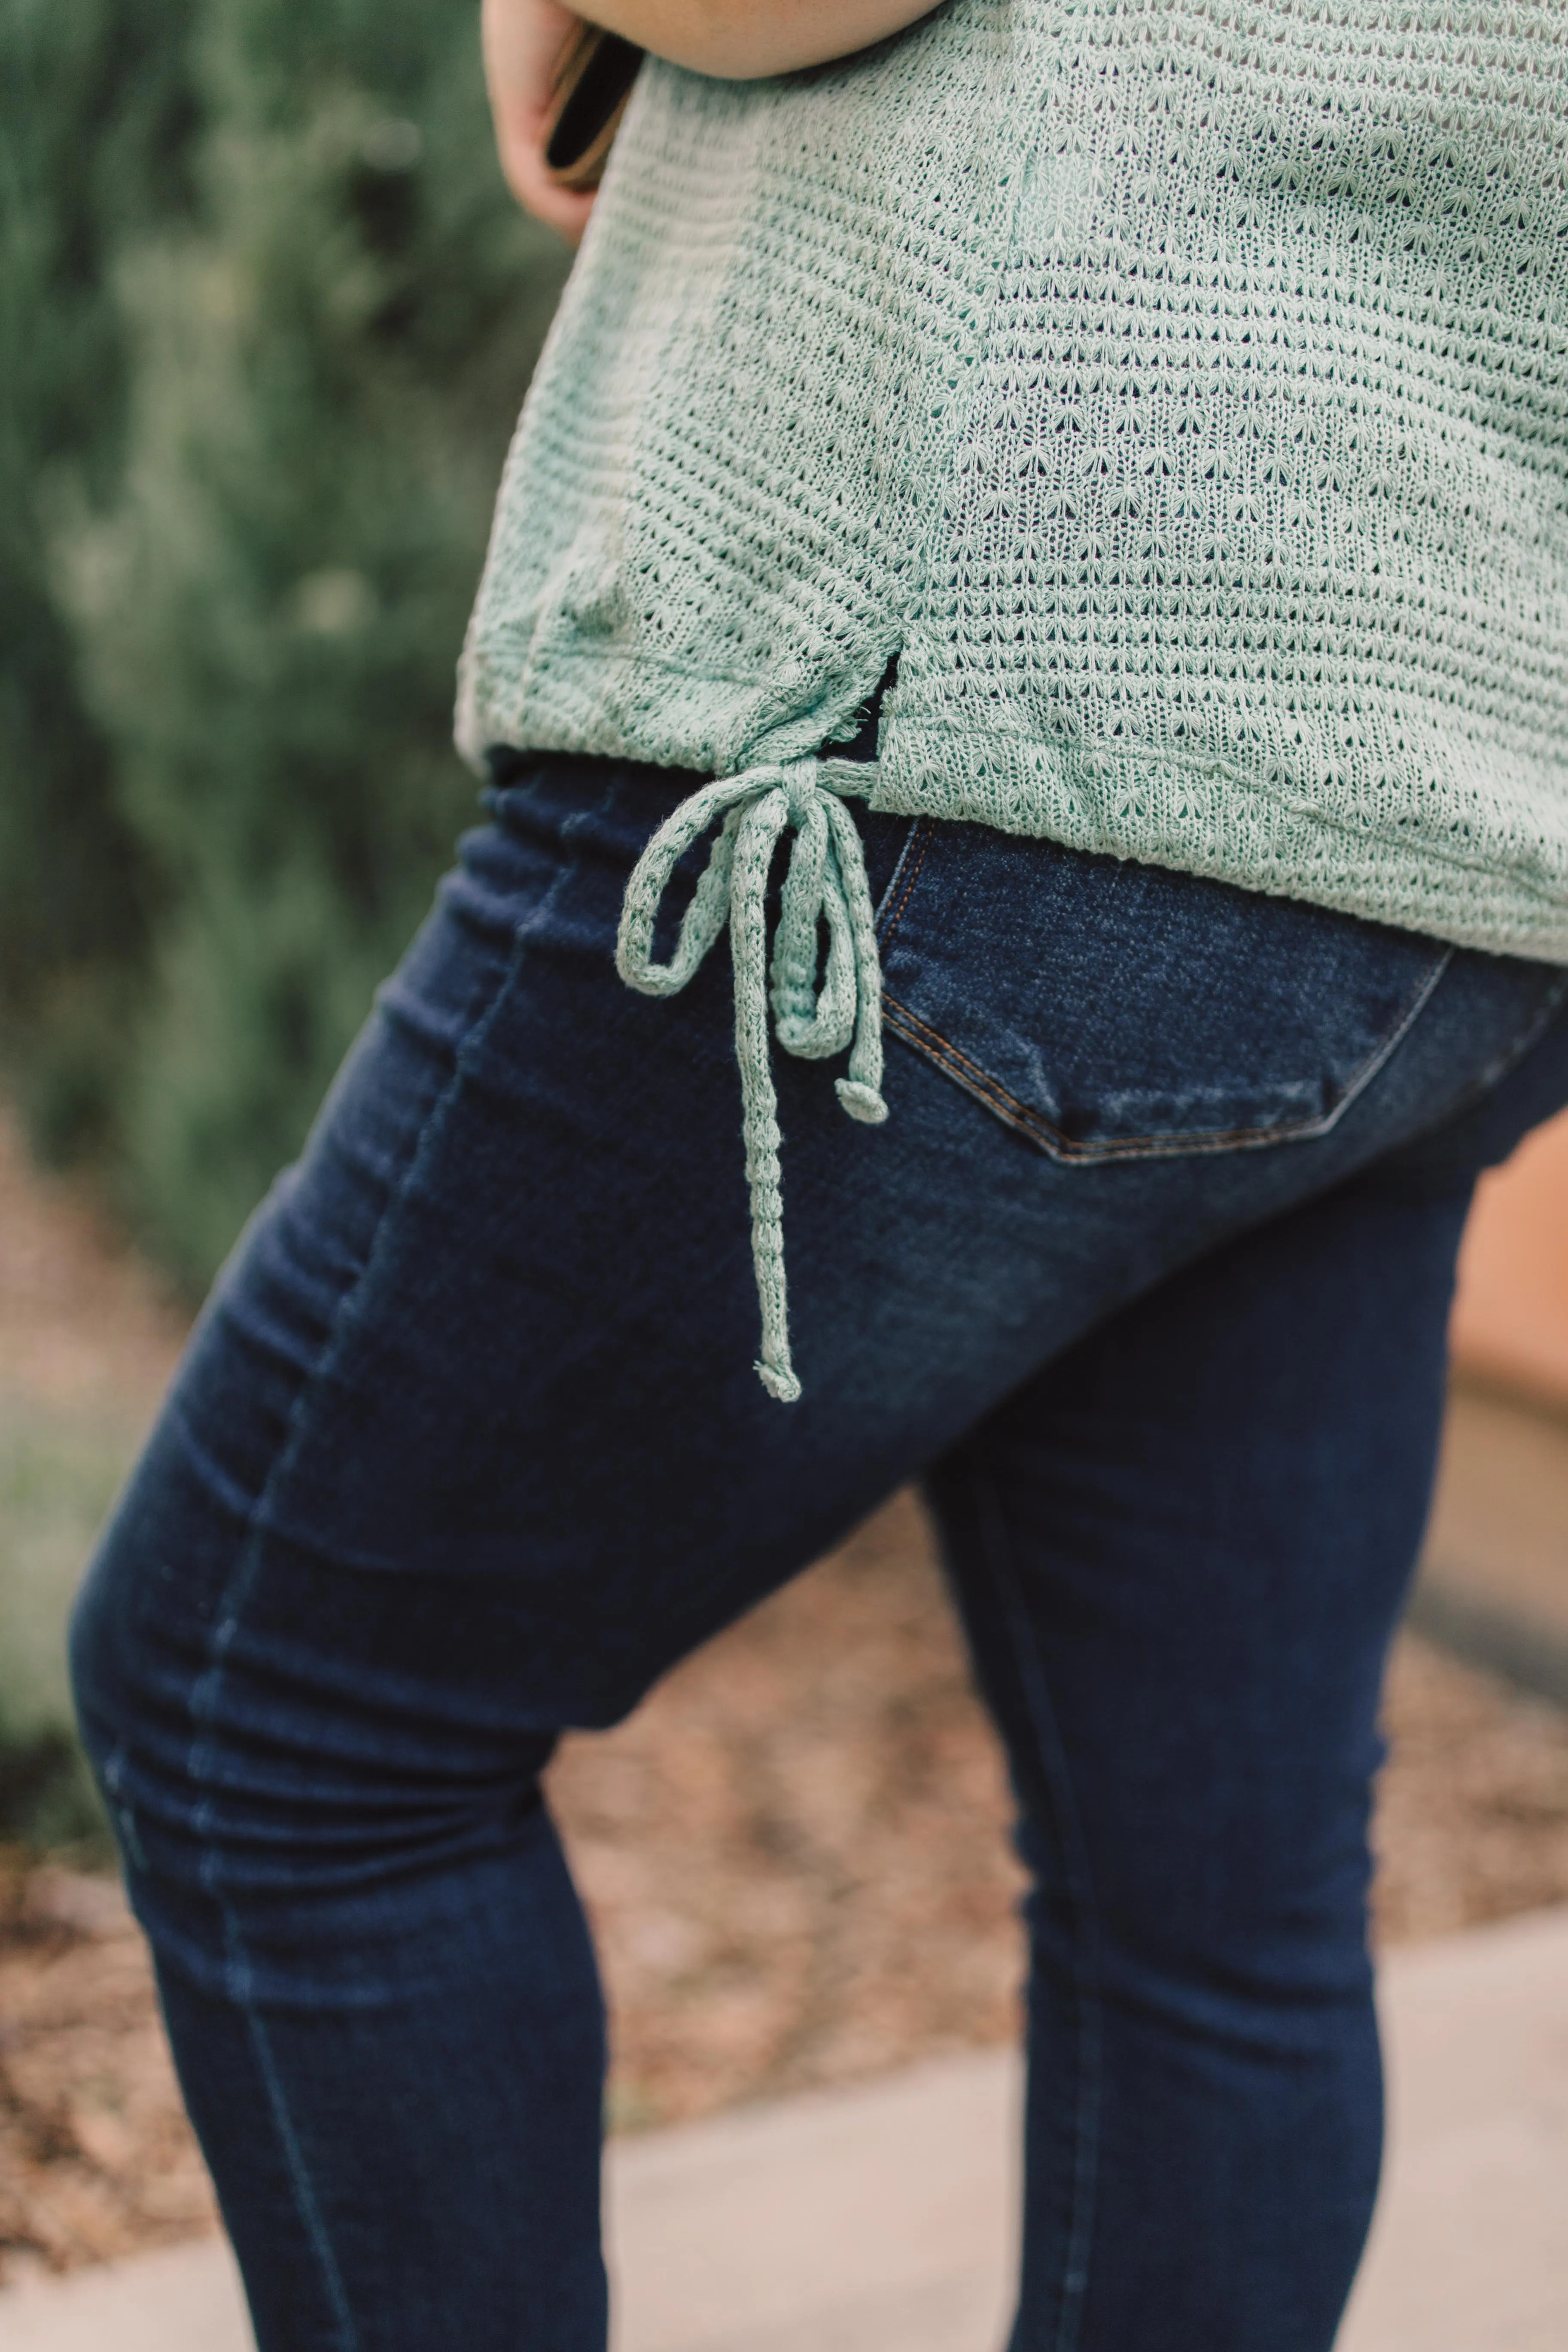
(1146, 1278)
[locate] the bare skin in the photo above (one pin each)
(738, 40)
(741, 40)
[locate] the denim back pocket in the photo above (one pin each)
(1110, 1011)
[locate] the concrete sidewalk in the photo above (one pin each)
(877, 2220)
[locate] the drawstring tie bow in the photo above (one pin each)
(818, 1007)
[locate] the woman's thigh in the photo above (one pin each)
(467, 1446)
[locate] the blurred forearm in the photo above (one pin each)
(741, 40)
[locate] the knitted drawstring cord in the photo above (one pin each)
(825, 884)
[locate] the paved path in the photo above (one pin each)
(874, 2219)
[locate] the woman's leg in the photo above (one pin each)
(1180, 1552)
(467, 1449)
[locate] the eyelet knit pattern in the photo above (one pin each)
(1180, 386)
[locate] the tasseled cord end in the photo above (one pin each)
(813, 1017)
(861, 1102)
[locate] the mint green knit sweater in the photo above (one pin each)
(1178, 387)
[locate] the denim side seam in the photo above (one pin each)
(1526, 1037)
(1193, 1143)
(917, 841)
(299, 2181)
(995, 1554)
(205, 1692)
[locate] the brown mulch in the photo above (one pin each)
(1472, 1817)
(96, 2158)
(796, 1853)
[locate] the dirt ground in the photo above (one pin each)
(796, 1853)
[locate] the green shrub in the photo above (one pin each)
(267, 314)
(58, 1474)
(97, 119)
(323, 346)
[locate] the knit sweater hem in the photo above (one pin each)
(1228, 819)
(1216, 818)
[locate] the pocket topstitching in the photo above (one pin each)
(1112, 1011)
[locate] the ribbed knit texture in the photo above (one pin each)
(1180, 389)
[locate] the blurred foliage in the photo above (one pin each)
(96, 126)
(58, 1474)
(276, 313)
